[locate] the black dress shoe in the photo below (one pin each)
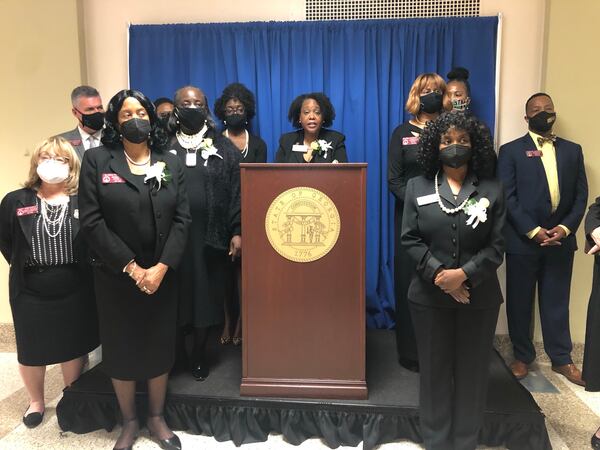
(173, 443)
(200, 370)
(595, 441)
(33, 419)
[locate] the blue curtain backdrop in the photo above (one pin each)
(365, 67)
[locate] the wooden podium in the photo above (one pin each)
(304, 322)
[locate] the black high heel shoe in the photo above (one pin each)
(130, 446)
(200, 370)
(172, 443)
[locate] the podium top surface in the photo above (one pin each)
(339, 166)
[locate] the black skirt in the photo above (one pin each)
(137, 330)
(54, 316)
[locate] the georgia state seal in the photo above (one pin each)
(302, 224)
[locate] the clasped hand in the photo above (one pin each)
(452, 282)
(596, 237)
(149, 280)
(547, 238)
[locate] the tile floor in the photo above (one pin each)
(571, 416)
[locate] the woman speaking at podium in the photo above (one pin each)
(311, 143)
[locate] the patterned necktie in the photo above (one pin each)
(542, 140)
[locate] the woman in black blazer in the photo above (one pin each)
(50, 284)
(235, 108)
(135, 217)
(452, 228)
(311, 143)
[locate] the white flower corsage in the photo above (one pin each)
(476, 210)
(207, 150)
(321, 146)
(159, 172)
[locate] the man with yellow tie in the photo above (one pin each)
(546, 195)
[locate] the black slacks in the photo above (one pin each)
(455, 345)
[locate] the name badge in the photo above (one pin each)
(111, 178)
(191, 159)
(299, 148)
(413, 140)
(427, 199)
(27, 211)
(534, 153)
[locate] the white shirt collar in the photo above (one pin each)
(85, 137)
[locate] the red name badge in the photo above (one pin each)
(111, 178)
(534, 153)
(413, 140)
(27, 211)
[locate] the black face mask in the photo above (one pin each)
(136, 130)
(163, 121)
(94, 121)
(455, 155)
(431, 103)
(542, 122)
(236, 122)
(192, 119)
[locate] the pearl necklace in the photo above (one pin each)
(448, 211)
(60, 219)
(191, 141)
(245, 149)
(137, 163)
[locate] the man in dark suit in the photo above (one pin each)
(89, 112)
(546, 195)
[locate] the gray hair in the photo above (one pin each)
(83, 91)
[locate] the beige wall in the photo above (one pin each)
(40, 65)
(571, 62)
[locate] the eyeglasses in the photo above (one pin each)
(239, 110)
(58, 159)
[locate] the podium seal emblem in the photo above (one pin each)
(302, 224)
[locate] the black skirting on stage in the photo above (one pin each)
(215, 408)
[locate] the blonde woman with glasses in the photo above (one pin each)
(50, 288)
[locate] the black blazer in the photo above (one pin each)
(257, 150)
(528, 197)
(16, 231)
(592, 221)
(109, 202)
(286, 142)
(436, 240)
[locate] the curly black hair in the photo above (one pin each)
(483, 161)
(239, 92)
(111, 136)
(327, 109)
